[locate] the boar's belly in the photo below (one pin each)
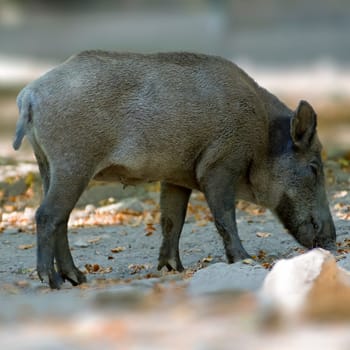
(126, 176)
(121, 174)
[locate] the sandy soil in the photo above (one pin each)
(126, 299)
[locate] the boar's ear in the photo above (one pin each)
(303, 125)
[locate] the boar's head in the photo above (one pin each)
(296, 183)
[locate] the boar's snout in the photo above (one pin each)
(313, 230)
(317, 234)
(326, 236)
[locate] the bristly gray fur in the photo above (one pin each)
(191, 121)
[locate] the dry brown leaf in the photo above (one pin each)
(266, 265)
(91, 268)
(340, 194)
(263, 234)
(149, 229)
(261, 254)
(117, 249)
(207, 259)
(107, 269)
(96, 268)
(248, 261)
(341, 256)
(135, 268)
(344, 246)
(94, 240)
(25, 246)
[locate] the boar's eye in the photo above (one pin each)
(315, 167)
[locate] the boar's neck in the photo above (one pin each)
(279, 116)
(278, 144)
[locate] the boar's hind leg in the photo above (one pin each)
(51, 219)
(219, 188)
(173, 205)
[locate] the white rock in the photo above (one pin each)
(307, 285)
(291, 279)
(221, 277)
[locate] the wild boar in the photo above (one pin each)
(191, 121)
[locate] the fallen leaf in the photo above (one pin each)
(107, 269)
(149, 229)
(94, 240)
(135, 268)
(339, 257)
(266, 265)
(340, 194)
(344, 247)
(261, 254)
(248, 261)
(263, 234)
(117, 249)
(25, 246)
(338, 206)
(207, 259)
(96, 268)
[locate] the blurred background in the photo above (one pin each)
(297, 49)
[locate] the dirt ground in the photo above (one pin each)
(127, 303)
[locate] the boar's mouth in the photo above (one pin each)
(310, 233)
(305, 234)
(317, 235)
(326, 237)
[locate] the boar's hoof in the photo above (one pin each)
(170, 264)
(52, 278)
(75, 276)
(237, 256)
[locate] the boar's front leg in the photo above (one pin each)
(173, 206)
(51, 219)
(218, 185)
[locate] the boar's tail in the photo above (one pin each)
(25, 118)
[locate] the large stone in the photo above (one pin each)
(311, 285)
(221, 277)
